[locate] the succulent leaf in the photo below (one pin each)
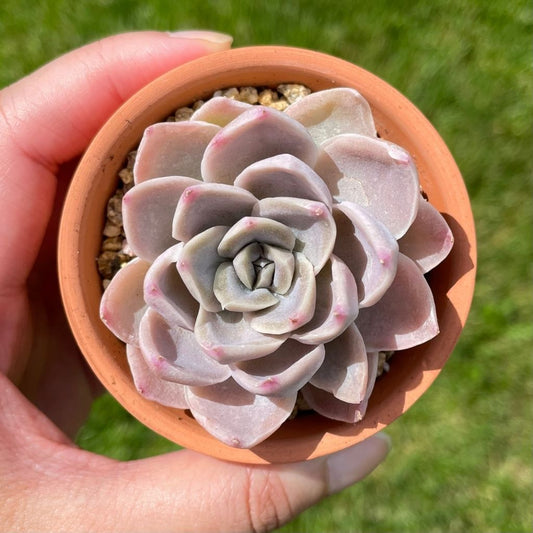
(165, 292)
(255, 229)
(198, 264)
(429, 239)
(173, 354)
(326, 404)
(310, 222)
(336, 304)
(235, 416)
(345, 370)
(405, 316)
(147, 212)
(283, 372)
(220, 111)
(217, 334)
(284, 175)
(375, 174)
(173, 149)
(233, 295)
(122, 306)
(368, 249)
(327, 114)
(254, 135)
(206, 205)
(295, 308)
(151, 386)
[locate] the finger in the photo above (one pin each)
(68, 489)
(49, 117)
(192, 492)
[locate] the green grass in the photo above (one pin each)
(461, 460)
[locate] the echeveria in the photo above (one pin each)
(277, 253)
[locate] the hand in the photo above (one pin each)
(46, 482)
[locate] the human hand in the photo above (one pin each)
(46, 482)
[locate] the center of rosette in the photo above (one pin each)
(260, 265)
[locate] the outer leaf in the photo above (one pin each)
(283, 372)
(172, 149)
(148, 210)
(122, 305)
(406, 314)
(373, 173)
(332, 112)
(150, 386)
(220, 110)
(256, 134)
(235, 416)
(345, 369)
(429, 239)
(327, 405)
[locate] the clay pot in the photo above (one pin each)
(398, 120)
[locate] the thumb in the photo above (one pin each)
(190, 492)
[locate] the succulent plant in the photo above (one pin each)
(277, 253)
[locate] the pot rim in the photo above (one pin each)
(396, 119)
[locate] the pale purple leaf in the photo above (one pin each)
(209, 204)
(344, 372)
(336, 304)
(284, 175)
(295, 308)
(227, 337)
(220, 110)
(173, 354)
(327, 405)
(165, 291)
(147, 212)
(198, 264)
(235, 416)
(233, 295)
(282, 372)
(429, 239)
(173, 149)
(375, 174)
(255, 229)
(256, 134)
(150, 386)
(405, 316)
(122, 305)
(368, 249)
(243, 263)
(333, 112)
(311, 223)
(283, 261)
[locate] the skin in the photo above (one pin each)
(46, 482)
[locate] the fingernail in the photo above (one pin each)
(353, 464)
(215, 40)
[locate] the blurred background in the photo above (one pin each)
(462, 456)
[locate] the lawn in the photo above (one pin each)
(461, 459)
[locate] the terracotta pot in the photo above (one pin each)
(396, 119)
